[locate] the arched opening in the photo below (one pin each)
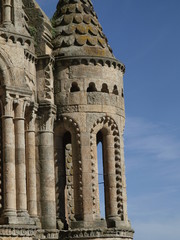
(115, 90)
(100, 159)
(74, 87)
(122, 93)
(92, 87)
(104, 88)
(64, 181)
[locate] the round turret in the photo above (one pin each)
(90, 109)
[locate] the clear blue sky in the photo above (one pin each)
(145, 36)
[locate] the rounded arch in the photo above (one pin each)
(108, 127)
(68, 127)
(6, 69)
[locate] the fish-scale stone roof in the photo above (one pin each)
(78, 31)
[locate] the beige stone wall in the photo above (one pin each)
(94, 110)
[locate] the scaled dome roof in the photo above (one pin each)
(78, 31)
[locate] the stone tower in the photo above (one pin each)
(61, 93)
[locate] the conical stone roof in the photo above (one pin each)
(78, 32)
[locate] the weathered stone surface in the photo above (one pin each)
(78, 31)
(59, 99)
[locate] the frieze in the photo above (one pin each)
(16, 37)
(17, 231)
(97, 233)
(77, 60)
(42, 234)
(67, 109)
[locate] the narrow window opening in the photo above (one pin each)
(115, 90)
(101, 174)
(74, 87)
(92, 87)
(105, 88)
(122, 94)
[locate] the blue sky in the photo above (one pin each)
(145, 36)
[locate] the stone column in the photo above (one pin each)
(20, 159)
(95, 184)
(46, 156)
(9, 160)
(110, 180)
(7, 10)
(31, 161)
(86, 179)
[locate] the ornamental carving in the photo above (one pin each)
(110, 125)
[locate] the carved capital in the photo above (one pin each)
(7, 106)
(30, 116)
(19, 107)
(46, 116)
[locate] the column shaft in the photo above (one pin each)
(86, 179)
(20, 166)
(9, 166)
(110, 177)
(31, 173)
(7, 12)
(48, 206)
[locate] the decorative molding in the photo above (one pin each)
(111, 126)
(46, 117)
(77, 60)
(126, 233)
(14, 37)
(9, 231)
(30, 56)
(76, 129)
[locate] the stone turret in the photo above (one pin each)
(90, 109)
(61, 93)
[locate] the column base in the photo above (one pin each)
(18, 220)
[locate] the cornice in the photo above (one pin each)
(15, 37)
(77, 60)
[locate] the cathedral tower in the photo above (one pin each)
(61, 94)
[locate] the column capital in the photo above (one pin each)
(19, 107)
(46, 116)
(30, 116)
(7, 107)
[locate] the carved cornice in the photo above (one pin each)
(97, 233)
(33, 232)
(77, 60)
(12, 231)
(46, 58)
(29, 55)
(14, 37)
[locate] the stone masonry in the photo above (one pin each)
(61, 93)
